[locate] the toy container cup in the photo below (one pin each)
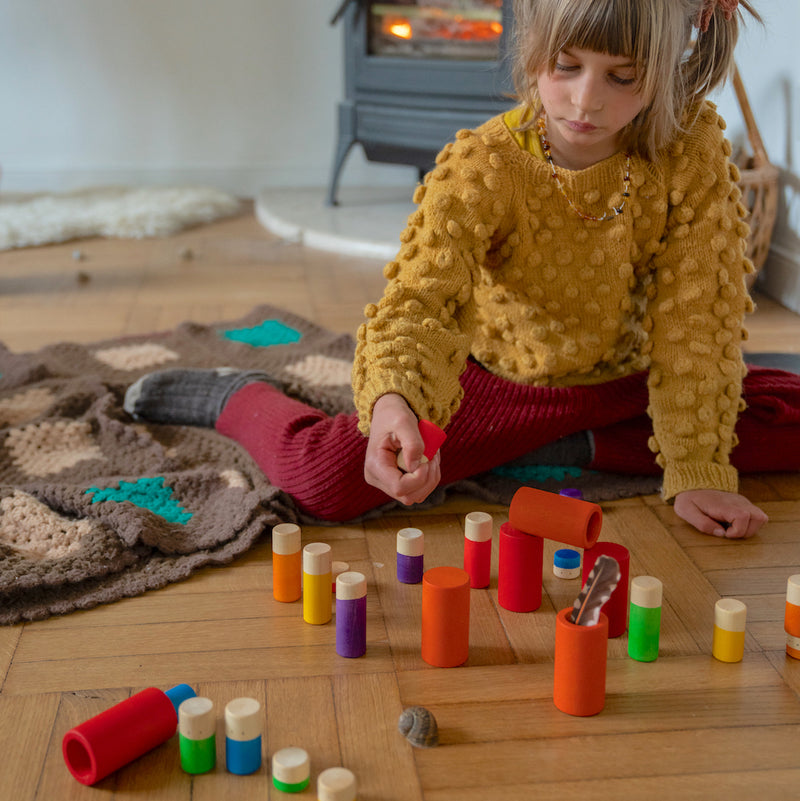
(579, 677)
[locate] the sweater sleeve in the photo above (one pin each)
(414, 341)
(696, 311)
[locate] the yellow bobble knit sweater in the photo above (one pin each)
(494, 264)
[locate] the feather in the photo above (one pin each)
(600, 583)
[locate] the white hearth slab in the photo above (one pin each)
(366, 222)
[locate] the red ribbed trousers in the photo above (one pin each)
(319, 460)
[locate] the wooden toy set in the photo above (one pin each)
(608, 605)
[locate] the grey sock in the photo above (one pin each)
(187, 396)
(573, 450)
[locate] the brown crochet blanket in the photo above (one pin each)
(95, 507)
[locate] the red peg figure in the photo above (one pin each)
(432, 437)
(126, 731)
(478, 548)
(556, 517)
(616, 607)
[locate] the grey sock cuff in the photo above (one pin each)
(238, 380)
(188, 396)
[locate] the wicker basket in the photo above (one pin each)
(759, 185)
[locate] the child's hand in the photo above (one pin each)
(721, 514)
(394, 428)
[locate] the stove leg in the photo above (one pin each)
(346, 140)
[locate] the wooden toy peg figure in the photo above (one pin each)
(571, 282)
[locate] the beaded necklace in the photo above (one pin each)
(626, 181)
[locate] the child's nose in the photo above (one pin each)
(587, 95)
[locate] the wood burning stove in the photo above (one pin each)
(416, 71)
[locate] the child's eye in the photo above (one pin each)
(565, 67)
(622, 81)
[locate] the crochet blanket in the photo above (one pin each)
(95, 507)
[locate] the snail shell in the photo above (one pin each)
(418, 726)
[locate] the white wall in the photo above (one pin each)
(236, 93)
(241, 94)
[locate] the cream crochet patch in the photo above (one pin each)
(47, 448)
(31, 528)
(135, 357)
(235, 480)
(25, 406)
(322, 371)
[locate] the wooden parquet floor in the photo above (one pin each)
(683, 727)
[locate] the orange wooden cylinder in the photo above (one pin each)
(791, 622)
(579, 678)
(556, 517)
(287, 570)
(445, 616)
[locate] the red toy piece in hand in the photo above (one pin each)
(432, 436)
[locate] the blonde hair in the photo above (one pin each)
(675, 69)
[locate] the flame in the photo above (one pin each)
(402, 29)
(464, 29)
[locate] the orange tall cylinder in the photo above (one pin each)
(579, 678)
(556, 517)
(445, 616)
(792, 617)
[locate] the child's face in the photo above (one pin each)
(588, 100)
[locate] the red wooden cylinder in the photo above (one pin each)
(519, 580)
(616, 607)
(126, 731)
(579, 673)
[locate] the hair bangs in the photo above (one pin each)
(604, 26)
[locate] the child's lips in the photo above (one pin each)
(581, 127)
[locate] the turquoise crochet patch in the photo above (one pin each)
(146, 493)
(268, 333)
(538, 472)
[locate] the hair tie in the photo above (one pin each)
(707, 11)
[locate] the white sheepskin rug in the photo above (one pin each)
(109, 212)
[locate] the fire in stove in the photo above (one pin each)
(464, 29)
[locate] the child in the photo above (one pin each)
(573, 278)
